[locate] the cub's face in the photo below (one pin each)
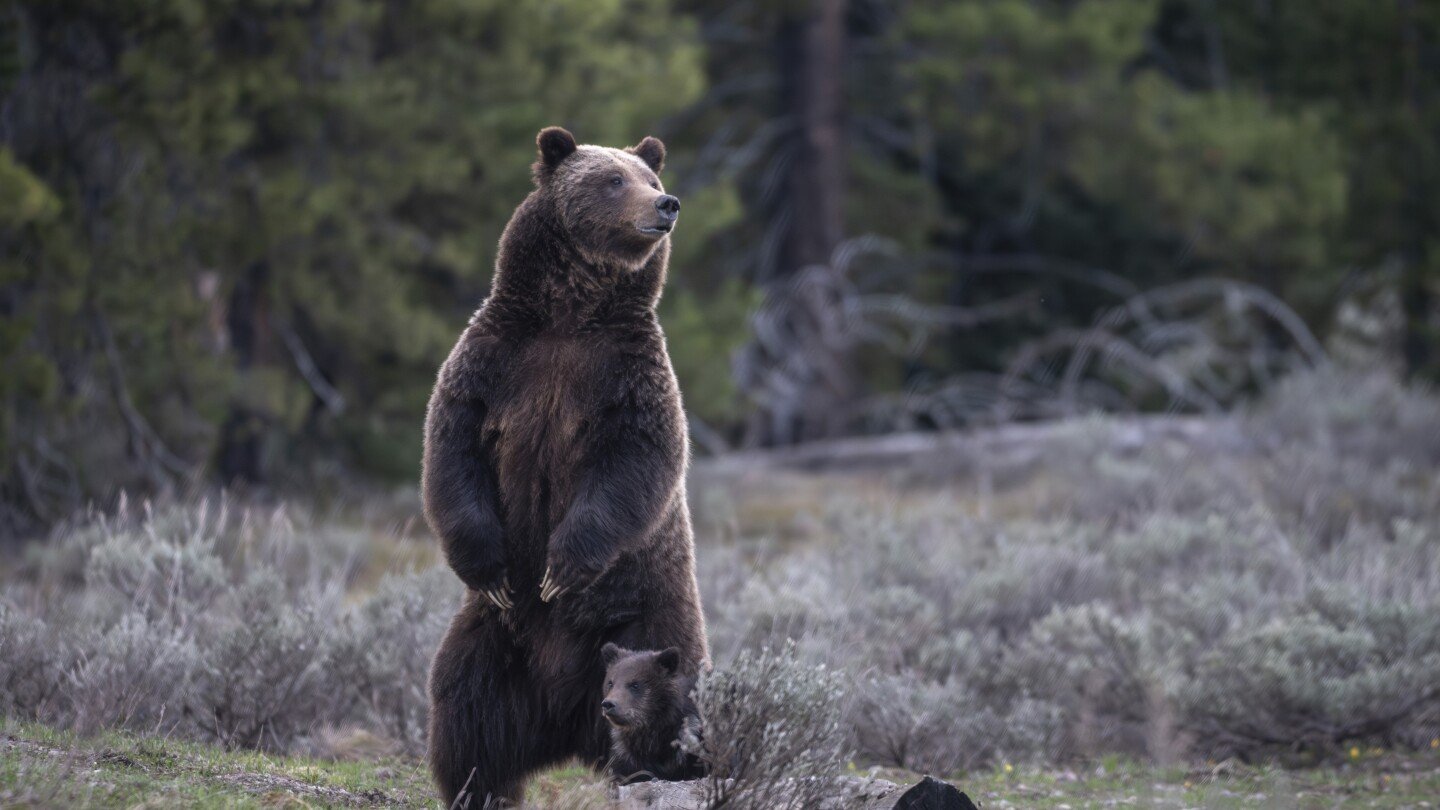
(610, 201)
(637, 684)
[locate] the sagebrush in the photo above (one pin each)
(1270, 586)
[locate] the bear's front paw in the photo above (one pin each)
(492, 583)
(568, 573)
(501, 596)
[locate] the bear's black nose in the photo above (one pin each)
(668, 205)
(607, 705)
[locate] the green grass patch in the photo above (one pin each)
(41, 767)
(1375, 780)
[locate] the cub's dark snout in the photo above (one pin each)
(608, 706)
(668, 205)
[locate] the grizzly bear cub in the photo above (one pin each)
(647, 703)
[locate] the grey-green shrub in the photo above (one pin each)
(262, 670)
(1155, 600)
(135, 674)
(33, 664)
(219, 624)
(771, 731)
(1271, 584)
(384, 652)
(1341, 672)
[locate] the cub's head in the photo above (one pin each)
(610, 201)
(640, 686)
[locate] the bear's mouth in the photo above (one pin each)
(657, 229)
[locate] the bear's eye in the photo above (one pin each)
(655, 185)
(617, 180)
(633, 686)
(609, 684)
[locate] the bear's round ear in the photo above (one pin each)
(652, 151)
(668, 659)
(609, 653)
(556, 144)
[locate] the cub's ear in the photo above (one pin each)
(610, 653)
(556, 144)
(652, 151)
(668, 659)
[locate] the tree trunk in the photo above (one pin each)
(812, 74)
(806, 386)
(1416, 296)
(241, 455)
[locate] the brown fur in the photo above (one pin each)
(647, 703)
(555, 443)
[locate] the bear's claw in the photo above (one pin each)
(500, 596)
(549, 589)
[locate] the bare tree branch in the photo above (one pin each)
(144, 441)
(333, 400)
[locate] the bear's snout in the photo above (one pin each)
(614, 715)
(668, 205)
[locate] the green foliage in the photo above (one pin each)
(702, 334)
(237, 238)
(265, 223)
(1255, 191)
(26, 205)
(706, 315)
(1048, 96)
(1013, 71)
(24, 199)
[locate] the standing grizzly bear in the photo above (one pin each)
(555, 452)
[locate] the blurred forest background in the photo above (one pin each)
(238, 237)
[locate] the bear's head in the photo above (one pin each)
(609, 201)
(640, 685)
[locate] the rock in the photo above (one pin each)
(932, 794)
(850, 793)
(662, 795)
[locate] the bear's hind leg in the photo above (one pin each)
(488, 732)
(468, 758)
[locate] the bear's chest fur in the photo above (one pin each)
(538, 424)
